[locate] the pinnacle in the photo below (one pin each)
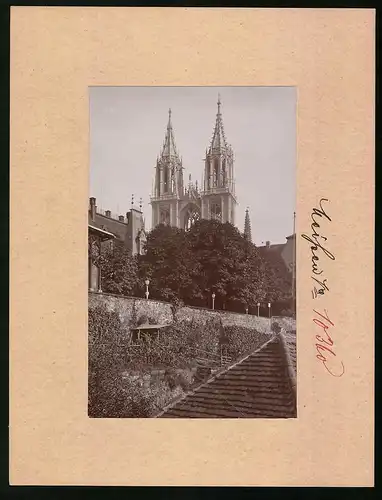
(247, 226)
(169, 147)
(218, 140)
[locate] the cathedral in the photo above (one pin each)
(180, 205)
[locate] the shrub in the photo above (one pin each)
(146, 320)
(243, 340)
(288, 312)
(177, 348)
(276, 328)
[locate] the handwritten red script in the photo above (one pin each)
(325, 345)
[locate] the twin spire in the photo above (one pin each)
(218, 141)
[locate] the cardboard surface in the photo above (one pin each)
(56, 54)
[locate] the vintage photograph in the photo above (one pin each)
(191, 252)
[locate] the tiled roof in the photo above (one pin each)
(258, 386)
(276, 248)
(290, 341)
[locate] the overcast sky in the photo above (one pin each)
(127, 129)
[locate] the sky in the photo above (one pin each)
(127, 130)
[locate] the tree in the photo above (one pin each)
(230, 264)
(278, 278)
(119, 270)
(188, 266)
(169, 264)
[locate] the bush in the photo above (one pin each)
(288, 312)
(276, 328)
(179, 344)
(242, 340)
(146, 320)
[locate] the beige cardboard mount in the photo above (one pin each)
(56, 54)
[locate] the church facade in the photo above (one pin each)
(179, 205)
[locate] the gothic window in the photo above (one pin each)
(191, 217)
(158, 183)
(165, 180)
(216, 211)
(216, 173)
(224, 173)
(165, 217)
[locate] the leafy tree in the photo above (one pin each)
(188, 266)
(230, 265)
(278, 279)
(170, 264)
(119, 270)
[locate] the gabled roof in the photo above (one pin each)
(258, 386)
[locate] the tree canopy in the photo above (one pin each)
(170, 264)
(119, 269)
(189, 266)
(211, 257)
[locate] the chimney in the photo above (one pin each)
(93, 208)
(108, 213)
(268, 244)
(121, 218)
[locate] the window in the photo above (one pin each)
(192, 216)
(216, 212)
(164, 217)
(216, 173)
(158, 183)
(165, 181)
(224, 173)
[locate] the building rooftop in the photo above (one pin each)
(100, 232)
(261, 385)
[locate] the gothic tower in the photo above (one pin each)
(168, 184)
(247, 226)
(218, 197)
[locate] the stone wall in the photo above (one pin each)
(124, 306)
(162, 312)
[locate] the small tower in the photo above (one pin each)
(247, 226)
(168, 183)
(218, 197)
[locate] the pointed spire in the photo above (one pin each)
(218, 140)
(169, 148)
(247, 226)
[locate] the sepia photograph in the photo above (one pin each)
(192, 252)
